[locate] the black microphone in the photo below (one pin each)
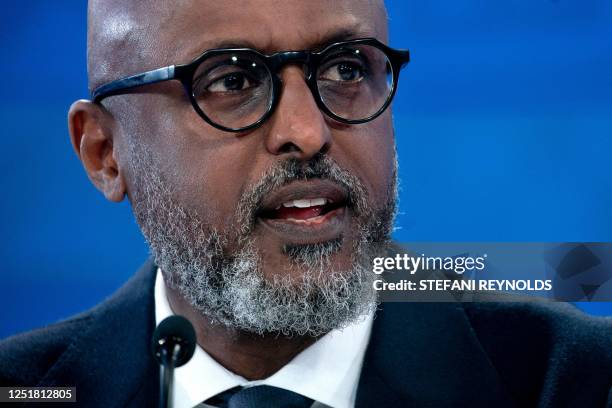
(173, 345)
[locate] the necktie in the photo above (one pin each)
(261, 396)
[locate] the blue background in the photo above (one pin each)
(503, 122)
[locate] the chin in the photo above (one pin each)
(297, 260)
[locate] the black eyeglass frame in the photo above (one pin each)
(274, 62)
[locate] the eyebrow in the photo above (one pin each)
(342, 34)
(333, 36)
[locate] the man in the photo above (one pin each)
(255, 144)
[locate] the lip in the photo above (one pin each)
(304, 190)
(330, 226)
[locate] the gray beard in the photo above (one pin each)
(228, 286)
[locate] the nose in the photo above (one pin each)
(297, 127)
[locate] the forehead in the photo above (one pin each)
(268, 25)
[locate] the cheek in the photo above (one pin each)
(370, 151)
(210, 177)
(205, 167)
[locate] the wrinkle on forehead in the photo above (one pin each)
(127, 37)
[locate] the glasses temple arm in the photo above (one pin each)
(133, 81)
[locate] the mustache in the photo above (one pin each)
(320, 166)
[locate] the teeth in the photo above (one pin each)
(302, 203)
(318, 201)
(305, 203)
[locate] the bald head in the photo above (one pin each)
(127, 37)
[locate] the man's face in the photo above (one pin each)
(292, 202)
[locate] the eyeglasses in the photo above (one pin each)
(237, 89)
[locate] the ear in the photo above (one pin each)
(92, 140)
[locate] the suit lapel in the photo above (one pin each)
(426, 355)
(109, 361)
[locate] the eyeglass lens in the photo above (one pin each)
(233, 90)
(355, 82)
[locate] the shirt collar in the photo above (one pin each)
(327, 371)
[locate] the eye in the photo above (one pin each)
(347, 71)
(232, 82)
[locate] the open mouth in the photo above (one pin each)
(306, 211)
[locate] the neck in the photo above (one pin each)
(249, 355)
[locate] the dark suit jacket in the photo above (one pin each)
(419, 355)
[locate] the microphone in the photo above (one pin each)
(173, 345)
